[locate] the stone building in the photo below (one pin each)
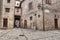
(35, 17)
(52, 17)
(32, 14)
(7, 13)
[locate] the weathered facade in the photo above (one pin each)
(32, 18)
(8, 13)
(51, 19)
(47, 20)
(30, 14)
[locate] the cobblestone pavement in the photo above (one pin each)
(28, 34)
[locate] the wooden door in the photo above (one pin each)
(5, 22)
(25, 23)
(56, 23)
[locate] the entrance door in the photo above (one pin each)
(25, 23)
(5, 22)
(56, 23)
(17, 21)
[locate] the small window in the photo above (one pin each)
(48, 2)
(55, 15)
(7, 9)
(30, 6)
(31, 18)
(38, 16)
(8, 1)
(17, 9)
(35, 14)
(39, 6)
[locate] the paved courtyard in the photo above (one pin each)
(28, 34)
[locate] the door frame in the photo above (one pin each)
(5, 22)
(56, 23)
(17, 17)
(25, 23)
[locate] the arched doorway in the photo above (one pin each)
(25, 23)
(56, 23)
(16, 21)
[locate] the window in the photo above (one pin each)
(7, 9)
(35, 14)
(31, 18)
(17, 9)
(39, 6)
(5, 22)
(30, 6)
(8, 1)
(48, 1)
(38, 15)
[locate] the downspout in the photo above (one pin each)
(43, 15)
(21, 12)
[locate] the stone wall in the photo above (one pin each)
(9, 15)
(49, 21)
(36, 22)
(49, 17)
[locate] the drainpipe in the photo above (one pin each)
(43, 15)
(21, 11)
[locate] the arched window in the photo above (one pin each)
(30, 5)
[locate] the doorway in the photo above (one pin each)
(25, 23)
(56, 23)
(16, 21)
(5, 22)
